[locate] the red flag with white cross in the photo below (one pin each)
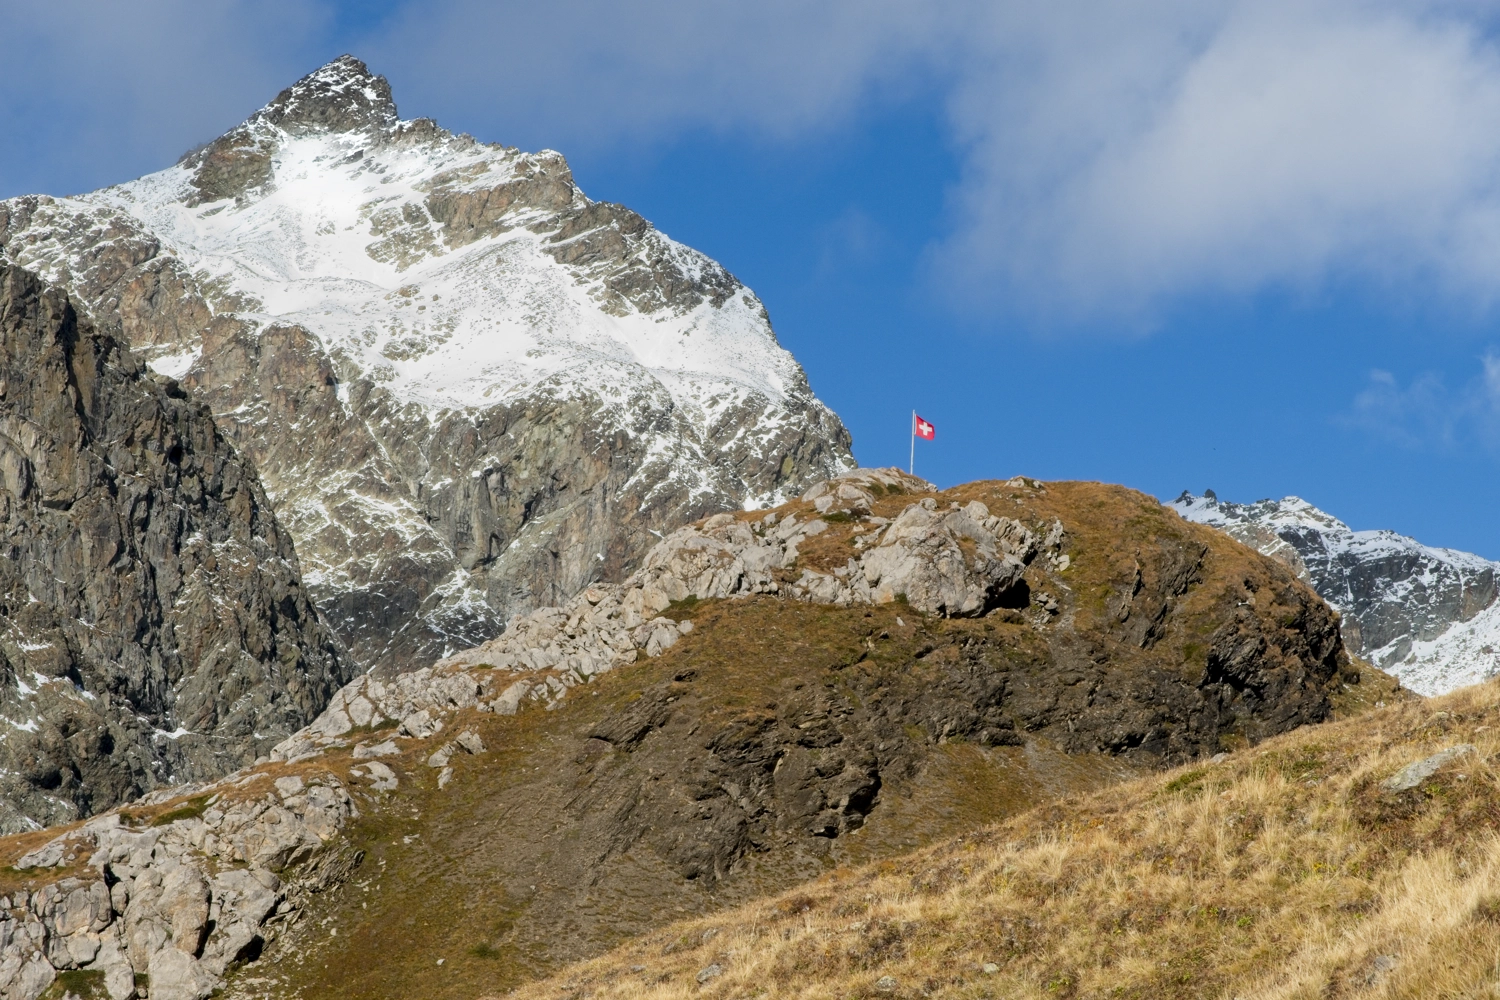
(919, 429)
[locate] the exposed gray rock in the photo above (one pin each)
(155, 909)
(958, 561)
(153, 625)
(427, 513)
(176, 975)
(25, 974)
(119, 981)
(921, 556)
(1419, 771)
(381, 777)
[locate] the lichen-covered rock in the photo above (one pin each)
(153, 624)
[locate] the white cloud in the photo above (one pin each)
(1234, 146)
(1115, 157)
(1426, 413)
(98, 92)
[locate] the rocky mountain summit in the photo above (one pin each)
(1427, 615)
(153, 626)
(470, 390)
(852, 674)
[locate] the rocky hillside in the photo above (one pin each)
(1427, 615)
(1352, 859)
(848, 676)
(470, 390)
(153, 627)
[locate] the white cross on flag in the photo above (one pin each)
(923, 429)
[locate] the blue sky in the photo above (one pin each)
(1247, 246)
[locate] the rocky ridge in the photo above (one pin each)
(185, 889)
(1427, 615)
(919, 555)
(470, 390)
(153, 626)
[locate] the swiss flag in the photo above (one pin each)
(923, 429)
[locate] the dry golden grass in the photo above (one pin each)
(1285, 871)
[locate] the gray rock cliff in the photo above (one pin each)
(1427, 615)
(153, 625)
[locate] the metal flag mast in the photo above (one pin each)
(919, 429)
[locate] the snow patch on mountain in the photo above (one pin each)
(445, 328)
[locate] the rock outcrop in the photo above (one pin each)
(953, 561)
(1429, 616)
(178, 900)
(153, 626)
(843, 677)
(961, 561)
(470, 390)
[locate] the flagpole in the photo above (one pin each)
(911, 466)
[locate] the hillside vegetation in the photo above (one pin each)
(1320, 864)
(780, 739)
(772, 741)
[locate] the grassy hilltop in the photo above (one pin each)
(767, 779)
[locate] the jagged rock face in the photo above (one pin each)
(1425, 614)
(469, 390)
(153, 626)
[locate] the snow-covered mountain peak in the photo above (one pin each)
(1428, 615)
(342, 96)
(1290, 511)
(393, 319)
(454, 272)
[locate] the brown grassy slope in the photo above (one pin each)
(781, 739)
(1286, 871)
(554, 846)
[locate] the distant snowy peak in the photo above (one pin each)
(1428, 615)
